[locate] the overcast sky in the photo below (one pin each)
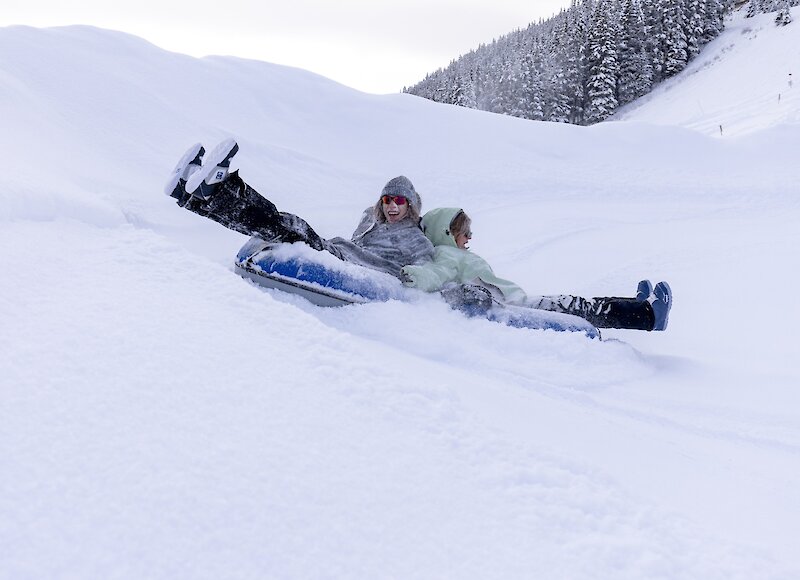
(376, 46)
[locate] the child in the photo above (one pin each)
(466, 278)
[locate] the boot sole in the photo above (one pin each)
(225, 150)
(663, 294)
(176, 176)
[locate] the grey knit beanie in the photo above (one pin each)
(402, 185)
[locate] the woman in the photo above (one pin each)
(449, 230)
(387, 238)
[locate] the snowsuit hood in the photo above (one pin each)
(453, 265)
(436, 225)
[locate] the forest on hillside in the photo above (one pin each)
(582, 64)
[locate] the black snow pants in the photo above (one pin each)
(602, 312)
(239, 207)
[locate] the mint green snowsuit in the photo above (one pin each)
(452, 264)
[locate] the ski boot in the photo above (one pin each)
(188, 164)
(644, 290)
(661, 304)
(215, 169)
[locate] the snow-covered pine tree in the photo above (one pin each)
(467, 97)
(576, 69)
(715, 23)
(557, 103)
(782, 7)
(635, 69)
(675, 45)
(602, 62)
(515, 99)
(531, 82)
(655, 43)
(558, 89)
(695, 27)
(501, 88)
(784, 16)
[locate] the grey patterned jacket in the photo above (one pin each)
(383, 246)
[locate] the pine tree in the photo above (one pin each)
(655, 45)
(695, 27)
(635, 70)
(784, 16)
(578, 71)
(602, 64)
(715, 22)
(675, 53)
(502, 95)
(555, 74)
(531, 83)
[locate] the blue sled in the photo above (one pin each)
(297, 269)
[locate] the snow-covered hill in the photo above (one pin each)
(160, 417)
(746, 80)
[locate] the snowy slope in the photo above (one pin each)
(161, 418)
(743, 81)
